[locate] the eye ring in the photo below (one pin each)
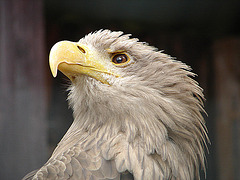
(120, 59)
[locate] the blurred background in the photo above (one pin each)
(34, 114)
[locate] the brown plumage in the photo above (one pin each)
(136, 110)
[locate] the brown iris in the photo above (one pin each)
(120, 58)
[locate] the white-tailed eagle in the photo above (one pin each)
(137, 113)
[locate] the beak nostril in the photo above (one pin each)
(81, 49)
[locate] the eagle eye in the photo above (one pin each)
(119, 59)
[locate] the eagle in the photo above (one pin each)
(138, 113)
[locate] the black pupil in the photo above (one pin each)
(121, 58)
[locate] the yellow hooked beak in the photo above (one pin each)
(73, 59)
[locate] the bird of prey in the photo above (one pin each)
(137, 113)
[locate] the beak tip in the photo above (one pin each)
(54, 73)
(56, 55)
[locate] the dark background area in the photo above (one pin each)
(34, 114)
